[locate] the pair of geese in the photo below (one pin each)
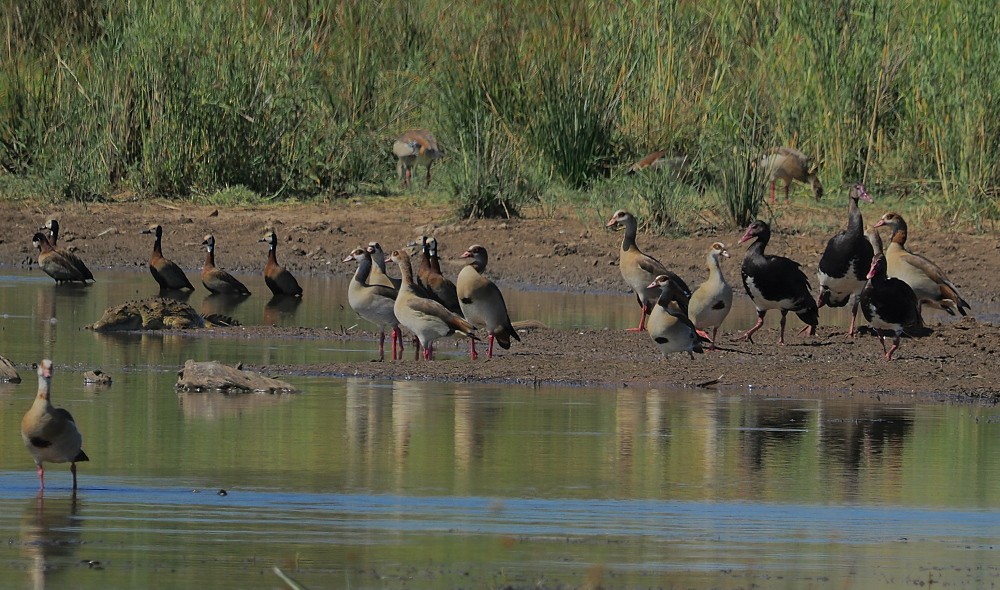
(425, 302)
(890, 287)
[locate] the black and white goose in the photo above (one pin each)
(775, 282)
(669, 325)
(843, 268)
(888, 303)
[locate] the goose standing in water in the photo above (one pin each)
(59, 264)
(50, 433)
(167, 274)
(276, 277)
(216, 280)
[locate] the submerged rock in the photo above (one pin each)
(8, 372)
(96, 377)
(156, 313)
(214, 375)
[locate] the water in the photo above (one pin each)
(375, 484)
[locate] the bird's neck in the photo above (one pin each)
(714, 269)
(364, 270)
(157, 248)
(854, 220)
(899, 235)
(406, 271)
(210, 258)
(628, 242)
(272, 253)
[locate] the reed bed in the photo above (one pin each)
(182, 99)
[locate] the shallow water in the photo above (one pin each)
(376, 484)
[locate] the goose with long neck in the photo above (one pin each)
(378, 275)
(669, 326)
(374, 302)
(775, 282)
(165, 272)
(426, 318)
(482, 302)
(277, 278)
(927, 280)
(639, 269)
(62, 266)
(50, 433)
(441, 288)
(713, 299)
(843, 268)
(888, 303)
(66, 257)
(216, 280)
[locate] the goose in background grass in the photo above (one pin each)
(374, 303)
(775, 282)
(789, 164)
(889, 304)
(639, 269)
(416, 147)
(712, 301)
(50, 433)
(216, 280)
(482, 302)
(669, 325)
(927, 280)
(843, 268)
(167, 274)
(276, 277)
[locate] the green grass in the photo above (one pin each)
(301, 100)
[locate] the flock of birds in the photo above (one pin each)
(890, 285)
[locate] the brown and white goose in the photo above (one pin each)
(276, 277)
(215, 279)
(53, 226)
(669, 325)
(888, 303)
(843, 268)
(167, 274)
(482, 302)
(926, 279)
(374, 302)
(713, 299)
(775, 282)
(416, 147)
(59, 264)
(378, 275)
(788, 164)
(639, 270)
(426, 318)
(50, 433)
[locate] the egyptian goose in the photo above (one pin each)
(378, 275)
(788, 164)
(775, 282)
(713, 299)
(889, 304)
(59, 264)
(669, 325)
(482, 302)
(440, 286)
(167, 274)
(416, 147)
(276, 277)
(426, 318)
(843, 268)
(374, 302)
(53, 226)
(215, 279)
(679, 166)
(926, 279)
(638, 269)
(50, 433)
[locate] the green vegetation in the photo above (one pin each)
(528, 100)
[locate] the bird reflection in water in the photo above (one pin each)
(280, 306)
(50, 535)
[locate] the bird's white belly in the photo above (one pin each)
(763, 304)
(840, 288)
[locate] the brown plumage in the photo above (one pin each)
(50, 433)
(166, 273)
(413, 148)
(59, 264)
(788, 164)
(927, 280)
(482, 302)
(426, 318)
(276, 277)
(53, 226)
(215, 279)
(441, 287)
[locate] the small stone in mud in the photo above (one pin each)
(223, 493)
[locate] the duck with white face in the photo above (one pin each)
(216, 280)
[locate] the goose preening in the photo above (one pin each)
(416, 147)
(713, 299)
(59, 264)
(50, 433)
(775, 282)
(482, 302)
(216, 280)
(788, 164)
(888, 303)
(374, 302)
(927, 280)
(639, 270)
(276, 277)
(167, 274)
(426, 318)
(669, 326)
(843, 268)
